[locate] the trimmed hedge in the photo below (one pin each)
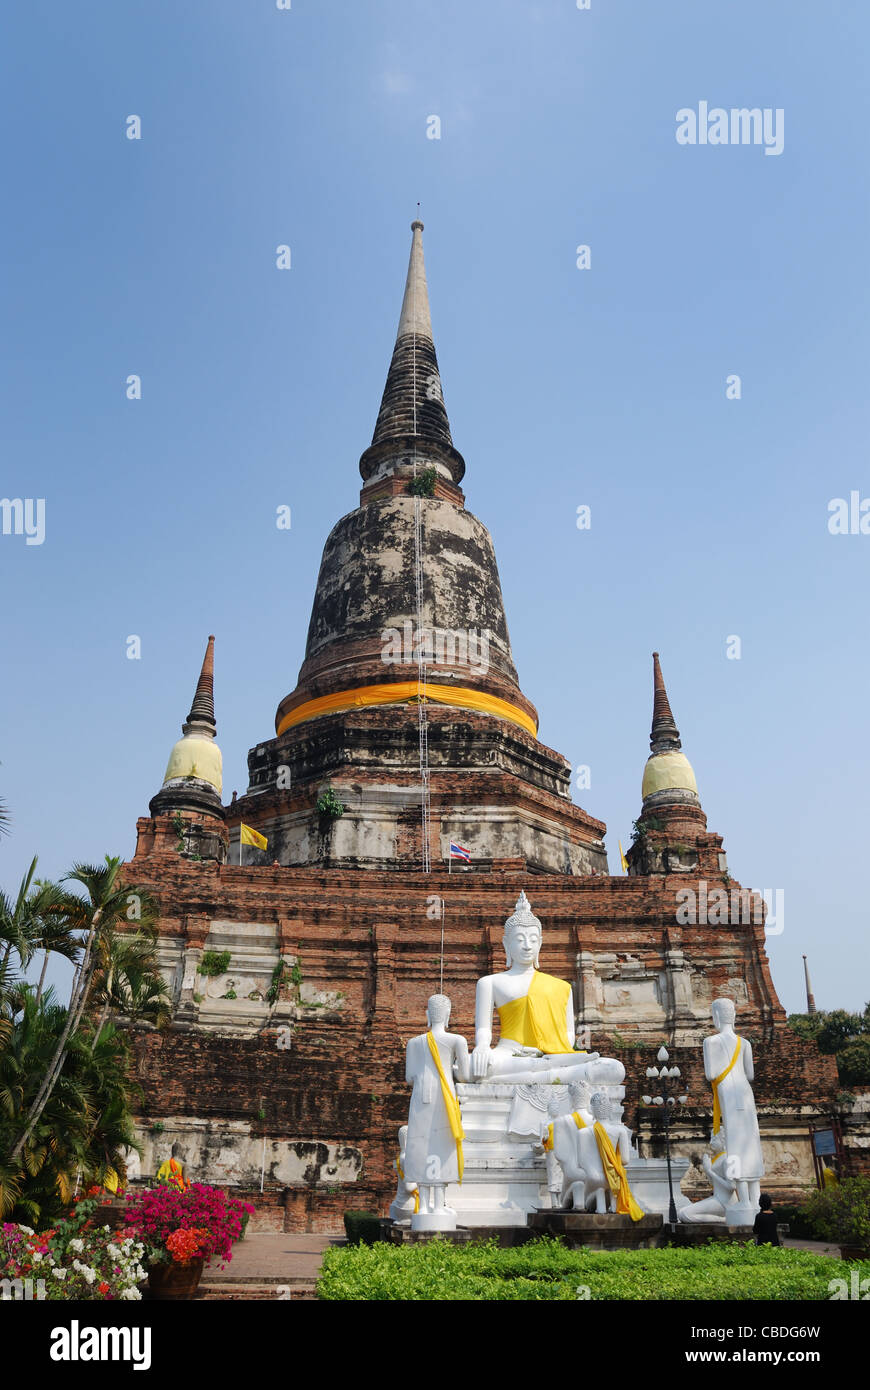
(546, 1270)
(362, 1227)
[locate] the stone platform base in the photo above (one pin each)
(611, 1232)
(598, 1232)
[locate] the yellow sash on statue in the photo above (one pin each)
(614, 1171)
(717, 1113)
(539, 1018)
(451, 1104)
(549, 1141)
(401, 1172)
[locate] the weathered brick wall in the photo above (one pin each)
(369, 936)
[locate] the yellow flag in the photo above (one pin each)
(622, 859)
(252, 837)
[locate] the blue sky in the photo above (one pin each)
(605, 387)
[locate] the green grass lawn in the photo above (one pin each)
(545, 1269)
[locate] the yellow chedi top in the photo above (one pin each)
(666, 770)
(195, 757)
(538, 1019)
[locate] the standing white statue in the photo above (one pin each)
(536, 1018)
(728, 1067)
(603, 1152)
(433, 1148)
(407, 1198)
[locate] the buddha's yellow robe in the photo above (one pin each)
(539, 1018)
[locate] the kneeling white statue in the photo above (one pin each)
(433, 1147)
(602, 1153)
(536, 1018)
(715, 1165)
(407, 1198)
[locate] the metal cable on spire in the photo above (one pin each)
(422, 721)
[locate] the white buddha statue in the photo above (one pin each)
(536, 1018)
(729, 1069)
(712, 1209)
(602, 1153)
(433, 1141)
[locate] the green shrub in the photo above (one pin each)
(362, 1227)
(799, 1225)
(424, 483)
(841, 1213)
(214, 963)
(329, 805)
(547, 1270)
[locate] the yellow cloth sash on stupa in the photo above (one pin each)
(539, 1018)
(399, 692)
(615, 1173)
(717, 1113)
(451, 1104)
(401, 1172)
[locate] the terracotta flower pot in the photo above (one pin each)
(175, 1280)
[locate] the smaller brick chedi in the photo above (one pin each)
(298, 974)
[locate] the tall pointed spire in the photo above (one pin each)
(412, 422)
(811, 1003)
(664, 734)
(202, 710)
(196, 759)
(194, 776)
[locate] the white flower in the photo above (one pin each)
(28, 1230)
(76, 1245)
(37, 1257)
(130, 1294)
(60, 1273)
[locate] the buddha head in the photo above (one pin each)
(600, 1106)
(724, 1013)
(438, 1010)
(579, 1093)
(522, 935)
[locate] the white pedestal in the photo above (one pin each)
(443, 1220)
(741, 1213)
(504, 1180)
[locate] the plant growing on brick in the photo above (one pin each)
(214, 963)
(328, 805)
(424, 483)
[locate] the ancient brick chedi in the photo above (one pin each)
(298, 974)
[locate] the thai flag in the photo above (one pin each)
(459, 852)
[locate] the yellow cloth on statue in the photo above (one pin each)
(539, 1018)
(717, 1113)
(451, 1104)
(614, 1171)
(578, 1120)
(549, 1141)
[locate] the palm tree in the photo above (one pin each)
(86, 1125)
(24, 925)
(127, 980)
(109, 904)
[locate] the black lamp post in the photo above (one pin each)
(666, 1099)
